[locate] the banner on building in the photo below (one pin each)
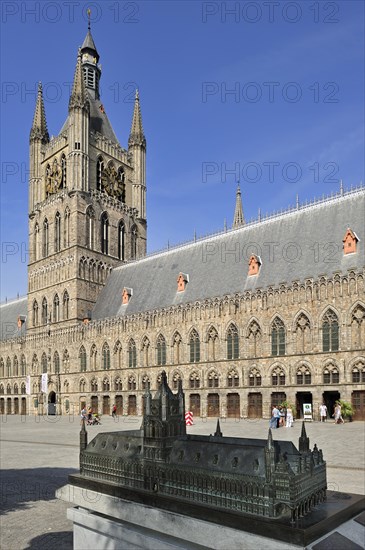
(44, 382)
(307, 411)
(27, 385)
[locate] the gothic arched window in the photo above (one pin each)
(358, 327)
(161, 350)
(132, 385)
(232, 342)
(233, 379)
(56, 309)
(23, 366)
(90, 228)
(56, 363)
(35, 313)
(277, 337)
(64, 171)
(118, 386)
(66, 229)
(194, 344)
(304, 375)
(44, 363)
(331, 375)
(82, 386)
(213, 380)
(57, 232)
(66, 304)
(2, 370)
(106, 356)
(278, 377)
(118, 355)
(254, 378)
(194, 380)
(99, 173)
(94, 385)
(82, 359)
(45, 238)
(106, 384)
(8, 366)
(358, 373)
(104, 221)
(132, 354)
(36, 242)
(121, 240)
(330, 331)
(175, 380)
(146, 351)
(134, 236)
(44, 311)
(15, 366)
(145, 382)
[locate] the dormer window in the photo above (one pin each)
(254, 265)
(350, 241)
(126, 295)
(182, 281)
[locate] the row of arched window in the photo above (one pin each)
(61, 235)
(303, 376)
(53, 313)
(106, 238)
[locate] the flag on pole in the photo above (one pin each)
(27, 385)
(44, 382)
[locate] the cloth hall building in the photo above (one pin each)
(268, 311)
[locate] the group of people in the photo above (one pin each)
(281, 416)
(337, 414)
(90, 418)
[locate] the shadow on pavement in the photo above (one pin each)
(50, 541)
(21, 488)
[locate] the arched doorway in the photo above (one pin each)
(233, 405)
(254, 405)
(51, 403)
(213, 404)
(195, 404)
(23, 406)
(132, 405)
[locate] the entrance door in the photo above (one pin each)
(132, 405)
(213, 404)
(94, 404)
(358, 404)
(23, 406)
(2, 406)
(106, 404)
(233, 405)
(16, 405)
(254, 407)
(329, 399)
(277, 398)
(8, 406)
(301, 398)
(119, 404)
(52, 403)
(195, 404)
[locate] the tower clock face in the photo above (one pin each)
(112, 183)
(53, 178)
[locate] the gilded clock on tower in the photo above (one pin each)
(112, 182)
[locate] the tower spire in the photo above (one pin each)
(78, 96)
(39, 126)
(136, 136)
(238, 219)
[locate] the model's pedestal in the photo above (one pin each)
(103, 521)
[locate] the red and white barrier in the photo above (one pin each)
(189, 418)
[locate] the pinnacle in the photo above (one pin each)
(39, 126)
(238, 219)
(78, 95)
(137, 134)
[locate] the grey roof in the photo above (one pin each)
(89, 42)
(304, 243)
(99, 121)
(9, 313)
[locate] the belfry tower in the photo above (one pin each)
(87, 201)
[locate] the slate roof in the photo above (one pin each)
(99, 121)
(304, 243)
(9, 313)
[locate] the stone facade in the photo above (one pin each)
(288, 331)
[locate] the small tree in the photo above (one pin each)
(346, 409)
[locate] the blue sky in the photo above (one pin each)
(272, 94)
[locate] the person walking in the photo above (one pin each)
(273, 420)
(337, 415)
(323, 412)
(114, 411)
